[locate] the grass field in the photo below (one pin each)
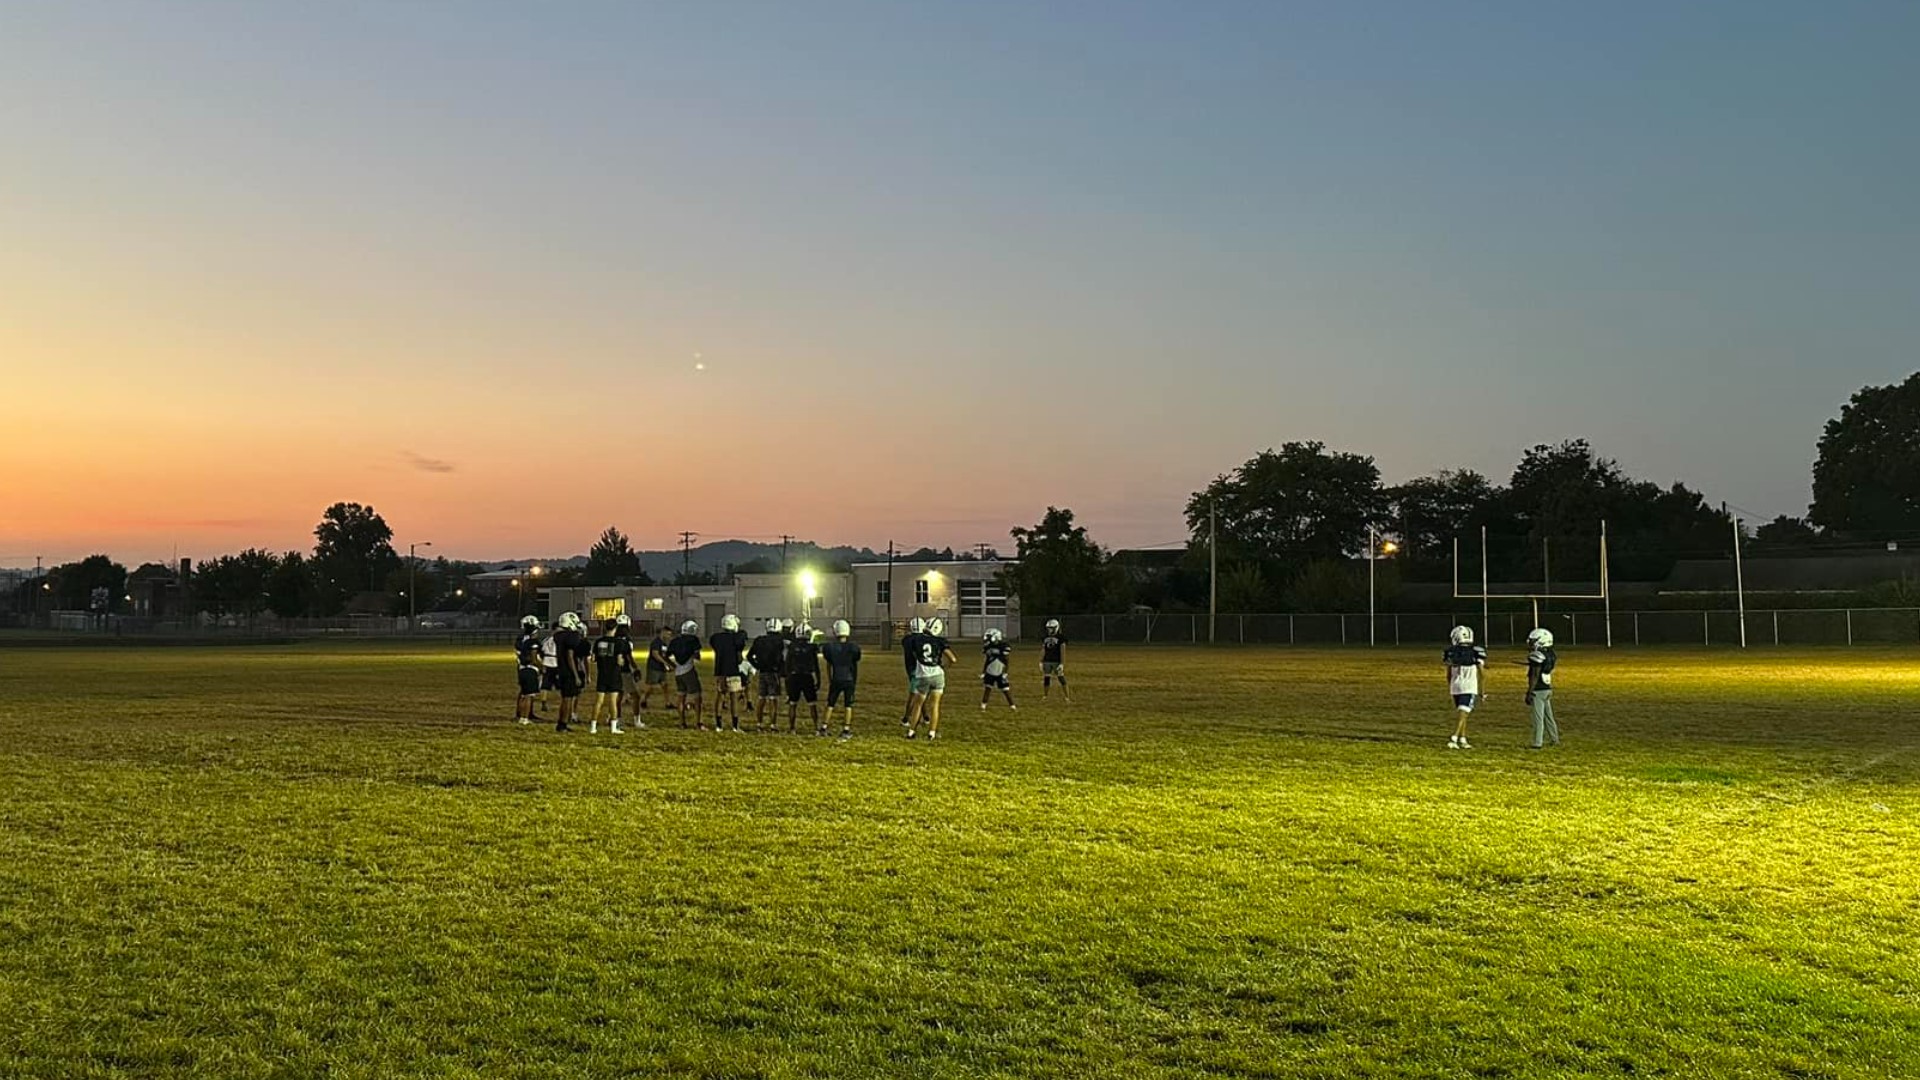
(344, 862)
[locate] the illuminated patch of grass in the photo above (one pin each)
(342, 861)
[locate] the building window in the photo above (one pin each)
(921, 589)
(607, 609)
(883, 592)
(817, 604)
(657, 603)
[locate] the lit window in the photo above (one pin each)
(657, 603)
(920, 591)
(607, 609)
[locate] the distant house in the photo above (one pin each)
(155, 591)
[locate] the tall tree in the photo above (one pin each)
(1866, 479)
(352, 553)
(1286, 508)
(612, 561)
(1784, 531)
(290, 589)
(78, 586)
(1061, 571)
(1428, 512)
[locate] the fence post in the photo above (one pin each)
(1289, 629)
(1849, 626)
(1636, 628)
(1509, 628)
(1776, 626)
(1706, 628)
(1193, 623)
(1243, 628)
(1343, 629)
(1103, 629)
(1396, 628)
(1573, 624)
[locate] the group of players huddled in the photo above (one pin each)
(784, 661)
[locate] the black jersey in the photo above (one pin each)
(803, 659)
(527, 649)
(657, 655)
(571, 647)
(1050, 647)
(728, 646)
(1540, 665)
(684, 651)
(769, 653)
(910, 647)
(843, 661)
(997, 655)
(611, 652)
(930, 652)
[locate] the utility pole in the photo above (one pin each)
(1213, 575)
(686, 567)
(1739, 581)
(784, 541)
(1372, 545)
(412, 592)
(984, 551)
(888, 636)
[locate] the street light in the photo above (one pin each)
(1374, 547)
(411, 564)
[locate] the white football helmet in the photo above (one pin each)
(530, 622)
(993, 635)
(936, 627)
(916, 625)
(1461, 635)
(689, 627)
(730, 622)
(622, 619)
(569, 621)
(841, 629)
(1053, 626)
(1541, 638)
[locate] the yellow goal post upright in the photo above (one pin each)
(1486, 596)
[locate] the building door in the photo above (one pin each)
(715, 612)
(983, 607)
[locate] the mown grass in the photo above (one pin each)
(344, 862)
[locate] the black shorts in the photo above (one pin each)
(569, 683)
(529, 681)
(610, 680)
(550, 678)
(769, 684)
(803, 686)
(656, 676)
(996, 682)
(689, 683)
(837, 691)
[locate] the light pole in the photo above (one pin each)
(411, 564)
(1374, 546)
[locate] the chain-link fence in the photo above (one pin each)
(1816, 626)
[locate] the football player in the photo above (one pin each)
(999, 661)
(1053, 664)
(1466, 663)
(612, 661)
(630, 685)
(684, 653)
(549, 670)
(769, 658)
(729, 645)
(571, 650)
(910, 648)
(657, 663)
(1541, 662)
(843, 672)
(803, 679)
(929, 678)
(526, 649)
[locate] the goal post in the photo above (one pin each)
(1486, 595)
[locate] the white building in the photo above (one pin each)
(871, 596)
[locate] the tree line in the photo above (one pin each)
(1292, 524)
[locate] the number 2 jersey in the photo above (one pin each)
(928, 652)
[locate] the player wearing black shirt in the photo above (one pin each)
(656, 667)
(612, 661)
(630, 681)
(842, 655)
(910, 649)
(929, 678)
(526, 650)
(571, 648)
(803, 680)
(998, 663)
(769, 658)
(1052, 661)
(728, 646)
(684, 653)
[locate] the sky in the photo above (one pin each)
(872, 271)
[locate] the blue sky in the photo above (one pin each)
(996, 255)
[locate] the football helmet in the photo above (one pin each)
(1541, 638)
(569, 621)
(530, 622)
(1053, 626)
(916, 625)
(622, 619)
(1462, 635)
(841, 629)
(730, 622)
(689, 627)
(936, 627)
(992, 635)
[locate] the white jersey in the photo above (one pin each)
(1463, 668)
(549, 653)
